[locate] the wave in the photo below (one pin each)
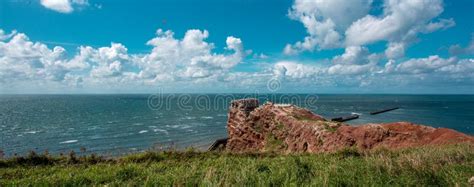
(69, 141)
(188, 117)
(179, 126)
(161, 130)
(143, 131)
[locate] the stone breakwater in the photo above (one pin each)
(288, 128)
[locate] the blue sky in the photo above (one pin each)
(360, 46)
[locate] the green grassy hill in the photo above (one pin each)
(445, 165)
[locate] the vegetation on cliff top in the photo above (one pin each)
(450, 165)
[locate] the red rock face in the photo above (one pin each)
(287, 128)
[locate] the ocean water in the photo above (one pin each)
(117, 124)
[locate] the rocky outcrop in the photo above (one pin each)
(288, 128)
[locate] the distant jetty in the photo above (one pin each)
(383, 111)
(346, 118)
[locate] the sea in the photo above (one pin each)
(112, 125)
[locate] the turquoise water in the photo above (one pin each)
(114, 124)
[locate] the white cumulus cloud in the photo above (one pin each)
(458, 50)
(353, 55)
(339, 23)
(424, 65)
(399, 25)
(63, 6)
(189, 59)
(324, 21)
(395, 50)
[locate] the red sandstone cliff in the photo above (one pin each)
(288, 128)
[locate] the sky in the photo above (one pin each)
(237, 46)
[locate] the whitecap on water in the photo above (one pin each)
(31, 132)
(173, 126)
(355, 113)
(68, 141)
(143, 131)
(96, 136)
(93, 128)
(160, 130)
(179, 126)
(207, 117)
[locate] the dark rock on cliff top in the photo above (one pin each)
(288, 128)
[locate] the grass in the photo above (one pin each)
(330, 127)
(451, 165)
(304, 118)
(273, 143)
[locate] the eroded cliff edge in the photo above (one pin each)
(288, 128)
